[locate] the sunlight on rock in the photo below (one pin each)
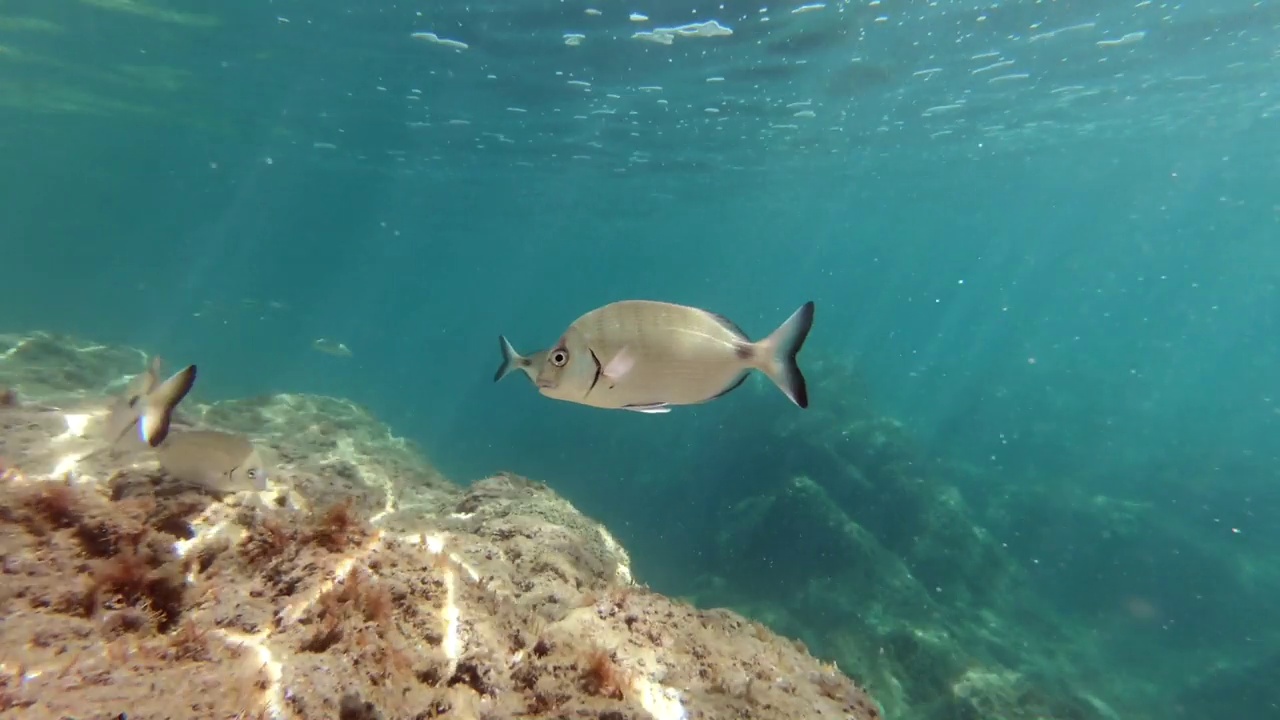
(359, 572)
(76, 424)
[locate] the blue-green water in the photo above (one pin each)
(1043, 235)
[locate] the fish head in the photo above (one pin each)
(250, 474)
(566, 370)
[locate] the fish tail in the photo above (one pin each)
(157, 412)
(778, 352)
(510, 359)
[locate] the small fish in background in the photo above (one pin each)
(213, 460)
(148, 405)
(512, 360)
(8, 397)
(647, 356)
(331, 347)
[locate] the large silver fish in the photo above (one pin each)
(647, 356)
(214, 460)
(147, 405)
(512, 360)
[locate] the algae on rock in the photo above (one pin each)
(361, 584)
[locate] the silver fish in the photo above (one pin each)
(512, 360)
(214, 460)
(332, 347)
(647, 356)
(147, 404)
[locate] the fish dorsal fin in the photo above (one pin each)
(728, 324)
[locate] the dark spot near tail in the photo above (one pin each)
(744, 351)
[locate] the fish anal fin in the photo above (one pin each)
(732, 386)
(650, 408)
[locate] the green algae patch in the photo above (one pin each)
(152, 77)
(152, 11)
(26, 24)
(40, 97)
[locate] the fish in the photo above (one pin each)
(512, 360)
(648, 356)
(213, 460)
(331, 347)
(147, 404)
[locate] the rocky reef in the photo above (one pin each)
(363, 583)
(925, 606)
(360, 584)
(951, 592)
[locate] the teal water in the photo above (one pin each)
(1041, 237)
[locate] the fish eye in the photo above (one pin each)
(253, 473)
(559, 358)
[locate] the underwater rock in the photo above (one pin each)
(886, 623)
(361, 584)
(859, 528)
(61, 369)
(1236, 690)
(980, 694)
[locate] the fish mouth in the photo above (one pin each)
(542, 384)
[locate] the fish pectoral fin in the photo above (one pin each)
(651, 408)
(620, 365)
